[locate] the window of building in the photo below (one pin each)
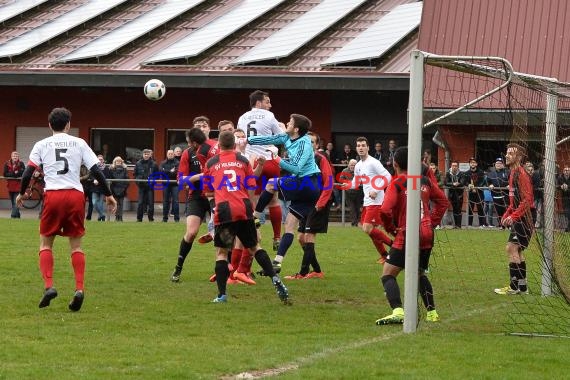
(176, 137)
(127, 143)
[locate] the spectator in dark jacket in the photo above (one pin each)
(475, 179)
(13, 169)
(498, 180)
(564, 186)
(98, 191)
(118, 171)
(169, 168)
(455, 182)
(144, 169)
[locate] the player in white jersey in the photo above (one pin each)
(259, 121)
(374, 178)
(61, 157)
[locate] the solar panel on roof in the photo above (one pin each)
(18, 7)
(299, 32)
(56, 27)
(215, 31)
(129, 32)
(381, 36)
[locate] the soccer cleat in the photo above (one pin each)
(49, 294)
(243, 277)
(257, 222)
(432, 316)
(76, 301)
(297, 276)
(281, 289)
(315, 275)
(397, 317)
(220, 299)
(507, 291)
(176, 274)
(276, 242)
(206, 238)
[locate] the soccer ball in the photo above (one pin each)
(154, 89)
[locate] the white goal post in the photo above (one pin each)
(505, 74)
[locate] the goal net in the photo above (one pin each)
(475, 106)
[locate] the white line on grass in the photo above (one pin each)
(296, 363)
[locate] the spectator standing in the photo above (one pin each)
(170, 190)
(455, 182)
(347, 154)
(105, 152)
(498, 180)
(144, 168)
(354, 197)
(118, 172)
(538, 193)
(13, 170)
(98, 191)
(564, 186)
(475, 178)
(177, 153)
(390, 159)
(378, 152)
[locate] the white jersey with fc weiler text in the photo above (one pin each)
(374, 177)
(62, 156)
(259, 122)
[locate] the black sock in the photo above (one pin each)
(264, 262)
(306, 262)
(314, 262)
(222, 274)
(184, 250)
(522, 277)
(263, 201)
(514, 273)
(392, 291)
(426, 292)
(285, 243)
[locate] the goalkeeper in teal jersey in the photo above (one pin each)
(302, 187)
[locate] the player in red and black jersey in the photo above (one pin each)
(393, 215)
(198, 204)
(518, 218)
(230, 176)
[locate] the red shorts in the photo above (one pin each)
(270, 170)
(371, 215)
(63, 213)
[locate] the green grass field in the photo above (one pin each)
(136, 324)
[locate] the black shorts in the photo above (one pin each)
(226, 233)
(302, 192)
(198, 207)
(397, 257)
(317, 222)
(521, 233)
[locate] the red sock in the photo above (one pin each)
(46, 267)
(276, 215)
(377, 234)
(245, 262)
(236, 256)
(78, 263)
(378, 243)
